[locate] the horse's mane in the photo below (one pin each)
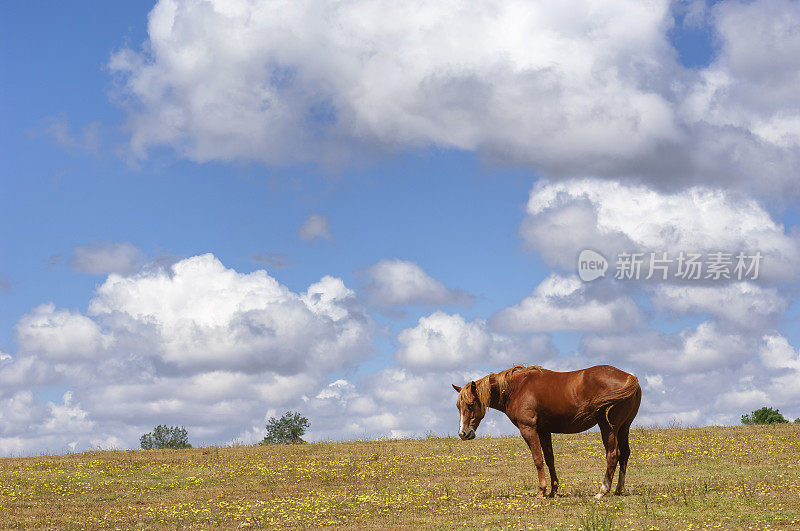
(484, 386)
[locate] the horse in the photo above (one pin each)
(541, 402)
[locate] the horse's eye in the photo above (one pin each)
(469, 406)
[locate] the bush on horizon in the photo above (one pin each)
(164, 436)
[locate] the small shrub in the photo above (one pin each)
(765, 415)
(164, 436)
(287, 429)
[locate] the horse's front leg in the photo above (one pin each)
(531, 437)
(547, 448)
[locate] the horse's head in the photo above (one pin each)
(471, 409)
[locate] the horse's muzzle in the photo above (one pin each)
(467, 436)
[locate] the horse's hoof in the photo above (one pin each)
(598, 495)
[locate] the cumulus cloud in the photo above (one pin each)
(315, 226)
(531, 80)
(53, 426)
(742, 304)
(743, 400)
(566, 303)
(396, 402)
(594, 89)
(734, 357)
(565, 217)
(777, 353)
(749, 91)
(193, 343)
(703, 375)
(106, 257)
(401, 282)
(203, 316)
(442, 341)
(698, 349)
(61, 334)
(212, 403)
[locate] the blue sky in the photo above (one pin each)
(434, 178)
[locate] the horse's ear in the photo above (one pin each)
(473, 388)
(457, 388)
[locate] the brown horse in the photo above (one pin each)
(540, 402)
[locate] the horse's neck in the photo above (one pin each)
(497, 396)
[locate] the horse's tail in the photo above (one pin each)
(628, 390)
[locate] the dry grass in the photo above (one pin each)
(739, 477)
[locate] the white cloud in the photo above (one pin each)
(24, 372)
(743, 400)
(27, 425)
(340, 389)
(713, 373)
(566, 217)
(108, 257)
(401, 282)
(579, 90)
(723, 363)
(67, 418)
(704, 348)
(743, 111)
(675, 418)
(315, 226)
(743, 304)
(777, 353)
(445, 342)
(784, 392)
(193, 344)
(566, 303)
(62, 335)
(18, 411)
(213, 403)
(199, 315)
(532, 81)
(752, 84)
(654, 383)
(395, 402)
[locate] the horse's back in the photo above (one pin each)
(591, 381)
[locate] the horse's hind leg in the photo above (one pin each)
(624, 446)
(624, 454)
(547, 448)
(609, 434)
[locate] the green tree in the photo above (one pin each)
(765, 415)
(287, 429)
(164, 436)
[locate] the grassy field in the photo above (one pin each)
(738, 477)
